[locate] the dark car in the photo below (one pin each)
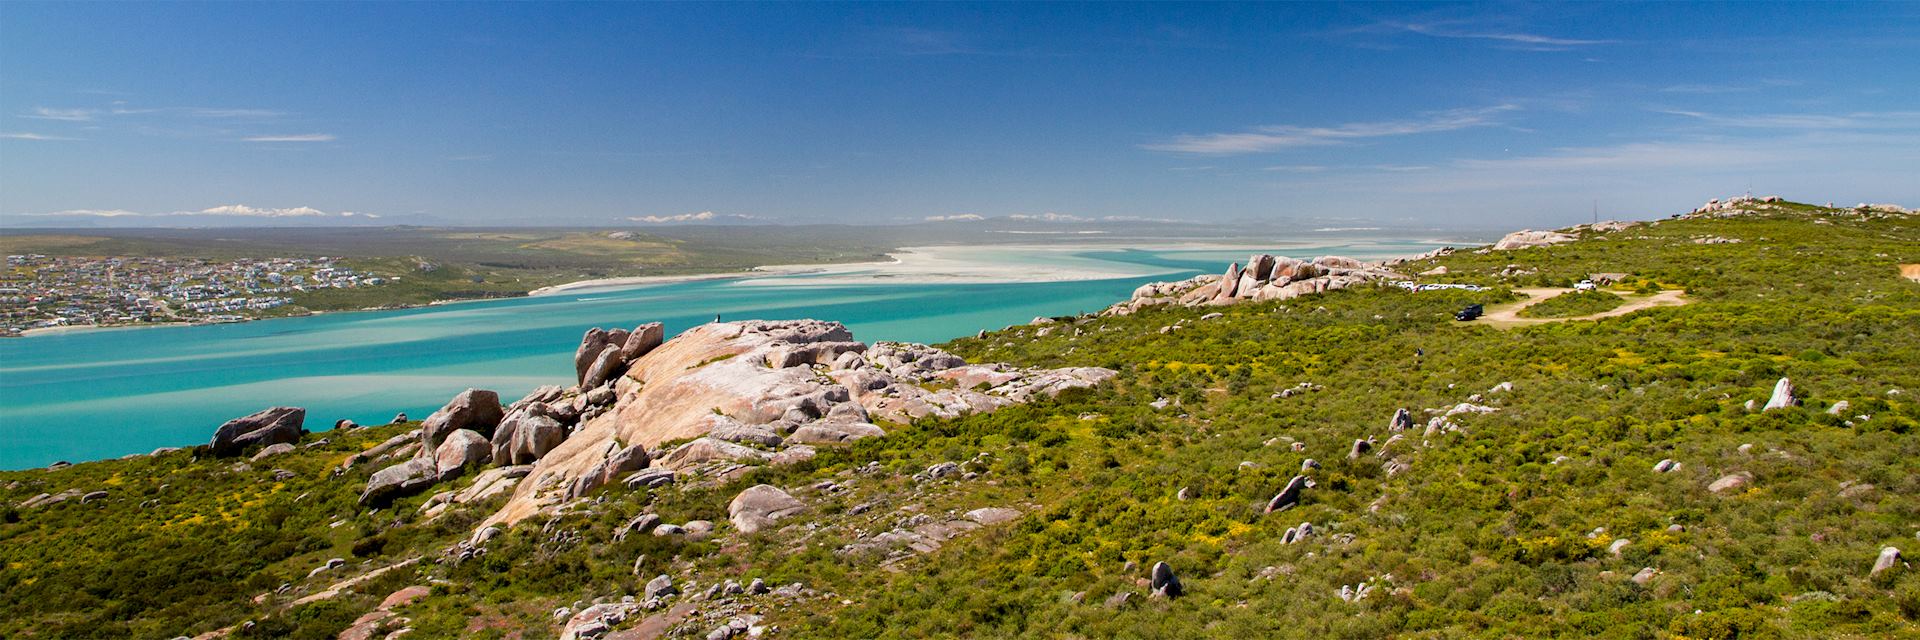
(1472, 311)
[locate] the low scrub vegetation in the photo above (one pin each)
(1524, 502)
(1573, 304)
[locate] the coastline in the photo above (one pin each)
(927, 264)
(598, 284)
(960, 264)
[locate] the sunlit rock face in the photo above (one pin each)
(759, 386)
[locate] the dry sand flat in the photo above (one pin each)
(1507, 315)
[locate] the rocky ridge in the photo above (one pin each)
(712, 402)
(1265, 277)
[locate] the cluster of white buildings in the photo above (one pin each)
(52, 291)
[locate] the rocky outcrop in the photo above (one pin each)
(703, 450)
(1528, 238)
(619, 461)
(1733, 206)
(738, 393)
(761, 506)
(1266, 277)
(834, 433)
(527, 434)
(278, 425)
(476, 410)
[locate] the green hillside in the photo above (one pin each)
(1501, 520)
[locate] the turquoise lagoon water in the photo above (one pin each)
(101, 394)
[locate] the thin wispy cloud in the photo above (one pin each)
(1049, 217)
(297, 137)
(1806, 121)
(67, 115)
(703, 216)
(1464, 30)
(1472, 30)
(88, 213)
(1730, 87)
(22, 135)
(1635, 155)
(205, 112)
(231, 210)
(1709, 88)
(910, 41)
(1278, 137)
(958, 217)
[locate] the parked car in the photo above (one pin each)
(1584, 285)
(1472, 311)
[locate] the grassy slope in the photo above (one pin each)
(1483, 535)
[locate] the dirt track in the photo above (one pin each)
(1507, 315)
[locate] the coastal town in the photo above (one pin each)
(43, 292)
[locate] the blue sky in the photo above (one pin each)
(536, 113)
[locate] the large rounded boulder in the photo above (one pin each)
(278, 425)
(760, 506)
(476, 410)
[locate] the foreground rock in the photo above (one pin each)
(278, 425)
(761, 506)
(400, 480)
(476, 410)
(740, 393)
(461, 450)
